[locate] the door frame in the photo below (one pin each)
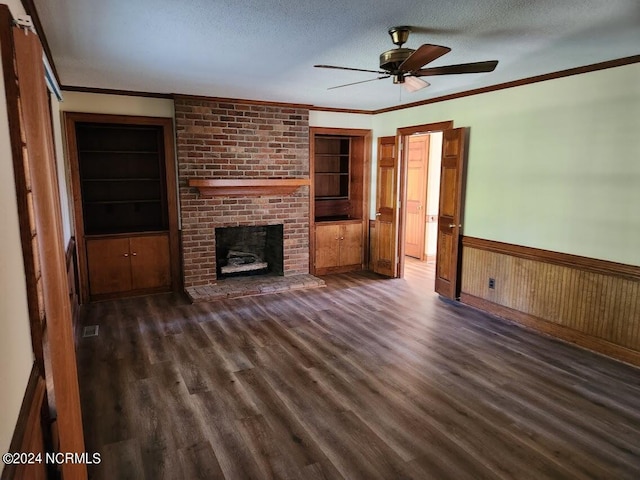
(402, 135)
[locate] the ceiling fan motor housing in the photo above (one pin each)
(392, 59)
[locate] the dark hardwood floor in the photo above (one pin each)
(368, 378)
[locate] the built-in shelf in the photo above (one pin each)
(213, 187)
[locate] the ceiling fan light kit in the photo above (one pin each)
(404, 65)
(413, 84)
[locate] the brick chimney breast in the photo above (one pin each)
(223, 139)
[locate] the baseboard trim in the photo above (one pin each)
(570, 335)
(574, 261)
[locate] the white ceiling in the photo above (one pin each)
(266, 49)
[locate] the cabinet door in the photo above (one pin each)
(351, 244)
(150, 265)
(109, 265)
(327, 245)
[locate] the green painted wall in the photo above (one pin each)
(552, 165)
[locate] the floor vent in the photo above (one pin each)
(90, 331)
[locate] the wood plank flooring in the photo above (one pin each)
(368, 378)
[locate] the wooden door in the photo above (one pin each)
(327, 241)
(386, 223)
(28, 110)
(150, 262)
(351, 244)
(417, 164)
(450, 214)
(109, 265)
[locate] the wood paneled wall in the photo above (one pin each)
(29, 435)
(590, 302)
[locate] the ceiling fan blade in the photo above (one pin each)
(424, 54)
(348, 68)
(362, 81)
(476, 67)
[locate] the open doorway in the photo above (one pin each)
(388, 244)
(421, 154)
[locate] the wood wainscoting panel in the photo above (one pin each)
(588, 306)
(29, 433)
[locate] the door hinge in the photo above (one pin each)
(25, 22)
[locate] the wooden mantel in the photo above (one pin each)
(254, 186)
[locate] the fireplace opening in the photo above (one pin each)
(249, 251)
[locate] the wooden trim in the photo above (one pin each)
(229, 187)
(73, 117)
(341, 110)
(425, 128)
(170, 167)
(556, 258)
(20, 176)
(73, 285)
(111, 91)
(70, 119)
(29, 420)
(341, 269)
(31, 10)
(570, 335)
(37, 131)
(518, 83)
(351, 132)
(266, 103)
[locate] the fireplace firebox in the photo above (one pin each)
(249, 251)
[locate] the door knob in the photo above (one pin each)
(378, 214)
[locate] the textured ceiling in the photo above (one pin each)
(266, 49)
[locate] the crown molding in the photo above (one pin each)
(492, 88)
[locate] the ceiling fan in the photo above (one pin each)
(405, 64)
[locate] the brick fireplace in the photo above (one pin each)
(224, 140)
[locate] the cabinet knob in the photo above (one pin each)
(126, 254)
(134, 254)
(341, 238)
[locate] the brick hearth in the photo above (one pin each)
(235, 140)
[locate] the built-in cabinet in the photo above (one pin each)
(340, 186)
(339, 245)
(124, 195)
(128, 263)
